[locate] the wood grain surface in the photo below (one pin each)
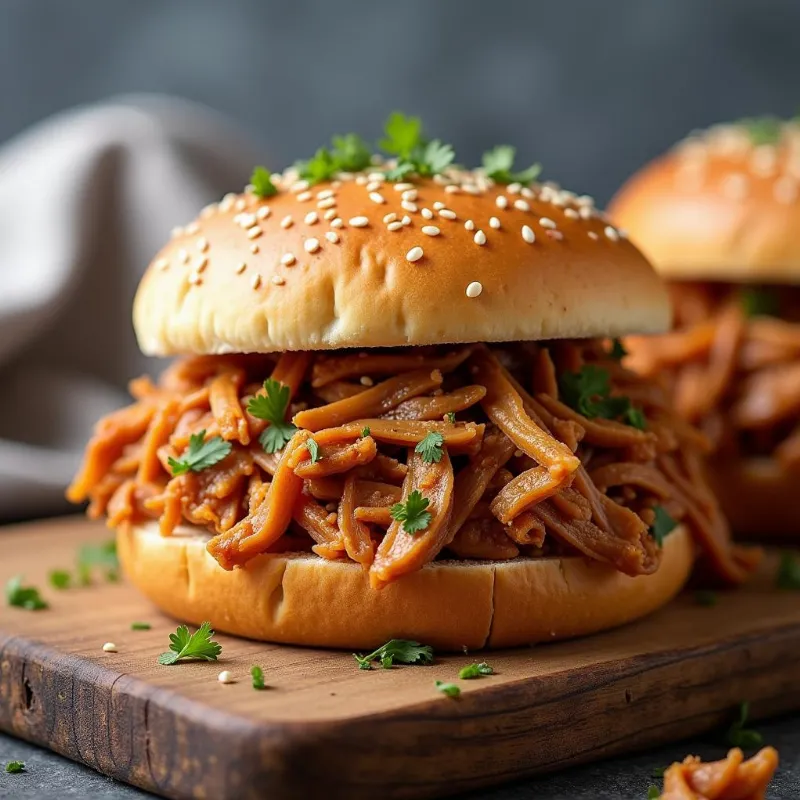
(324, 728)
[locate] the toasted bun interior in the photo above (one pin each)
(304, 599)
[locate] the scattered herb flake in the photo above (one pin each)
(618, 351)
(706, 598)
(313, 449)
(365, 431)
(60, 579)
(412, 513)
(140, 626)
(15, 766)
(403, 135)
(788, 577)
(475, 671)
(200, 454)
(450, 417)
(653, 792)
(257, 674)
(271, 406)
(185, 646)
(430, 448)
(450, 689)
(588, 391)
(663, 524)
(26, 597)
(763, 130)
(738, 735)
(400, 651)
(499, 162)
(261, 180)
(759, 302)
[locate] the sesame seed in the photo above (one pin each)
(409, 194)
(522, 205)
(427, 213)
(192, 228)
(376, 176)
(373, 185)
(263, 212)
(389, 218)
(312, 218)
(479, 237)
(330, 202)
(245, 220)
(225, 676)
(278, 280)
(336, 222)
(394, 226)
(329, 214)
(359, 222)
(585, 212)
(239, 205)
(414, 254)
(611, 233)
(255, 281)
(452, 189)
(325, 194)
(557, 235)
(365, 380)
(528, 235)
(361, 180)
(241, 267)
(311, 245)
(109, 647)
(287, 221)
(513, 188)
(183, 256)
(438, 205)
(546, 222)
(287, 259)
(202, 263)
(402, 187)
(494, 223)
(254, 248)
(786, 190)
(593, 235)
(474, 289)
(446, 213)
(254, 233)
(304, 197)
(377, 197)
(469, 225)
(332, 237)
(571, 213)
(526, 192)
(430, 230)
(162, 264)
(501, 201)
(300, 186)
(176, 232)
(406, 220)
(409, 206)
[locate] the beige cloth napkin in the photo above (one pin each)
(86, 199)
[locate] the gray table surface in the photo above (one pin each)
(50, 776)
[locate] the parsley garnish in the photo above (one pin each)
(759, 302)
(788, 573)
(140, 626)
(499, 162)
(15, 766)
(272, 407)
(257, 674)
(589, 393)
(365, 431)
(313, 449)
(348, 153)
(262, 184)
(186, 646)
(59, 579)
(738, 735)
(653, 792)
(618, 351)
(415, 155)
(103, 556)
(200, 454)
(763, 130)
(663, 524)
(403, 135)
(450, 689)
(450, 417)
(400, 651)
(412, 513)
(26, 597)
(430, 448)
(706, 598)
(475, 671)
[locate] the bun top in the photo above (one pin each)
(723, 205)
(359, 260)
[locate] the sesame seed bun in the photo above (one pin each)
(300, 598)
(719, 207)
(363, 262)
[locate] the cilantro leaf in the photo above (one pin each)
(475, 671)
(15, 766)
(759, 302)
(365, 431)
(185, 646)
(200, 454)
(401, 651)
(499, 162)
(403, 135)
(738, 735)
(618, 351)
(705, 598)
(351, 153)
(26, 597)
(313, 449)
(663, 524)
(59, 579)
(412, 513)
(653, 792)
(450, 689)
(450, 417)
(435, 158)
(271, 407)
(140, 626)
(321, 167)
(261, 180)
(763, 130)
(402, 170)
(589, 393)
(257, 674)
(100, 556)
(788, 577)
(430, 448)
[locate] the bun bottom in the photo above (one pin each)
(759, 498)
(300, 598)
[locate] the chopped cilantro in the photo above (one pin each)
(60, 579)
(499, 163)
(415, 155)
(271, 407)
(618, 351)
(430, 448)
(140, 626)
(412, 513)
(653, 792)
(26, 597)
(15, 766)
(706, 598)
(450, 689)
(759, 302)
(200, 454)
(185, 646)
(589, 393)
(400, 651)
(788, 577)
(261, 180)
(738, 735)
(403, 135)
(663, 524)
(348, 153)
(257, 674)
(475, 671)
(365, 431)
(763, 130)
(100, 556)
(313, 449)
(450, 417)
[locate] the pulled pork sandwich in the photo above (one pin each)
(397, 414)
(720, 218)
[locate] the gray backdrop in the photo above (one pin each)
(591, 88)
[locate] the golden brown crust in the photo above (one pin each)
(719, 207)
(304, 599)
(209, 292)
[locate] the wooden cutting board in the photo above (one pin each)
(325, 728)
